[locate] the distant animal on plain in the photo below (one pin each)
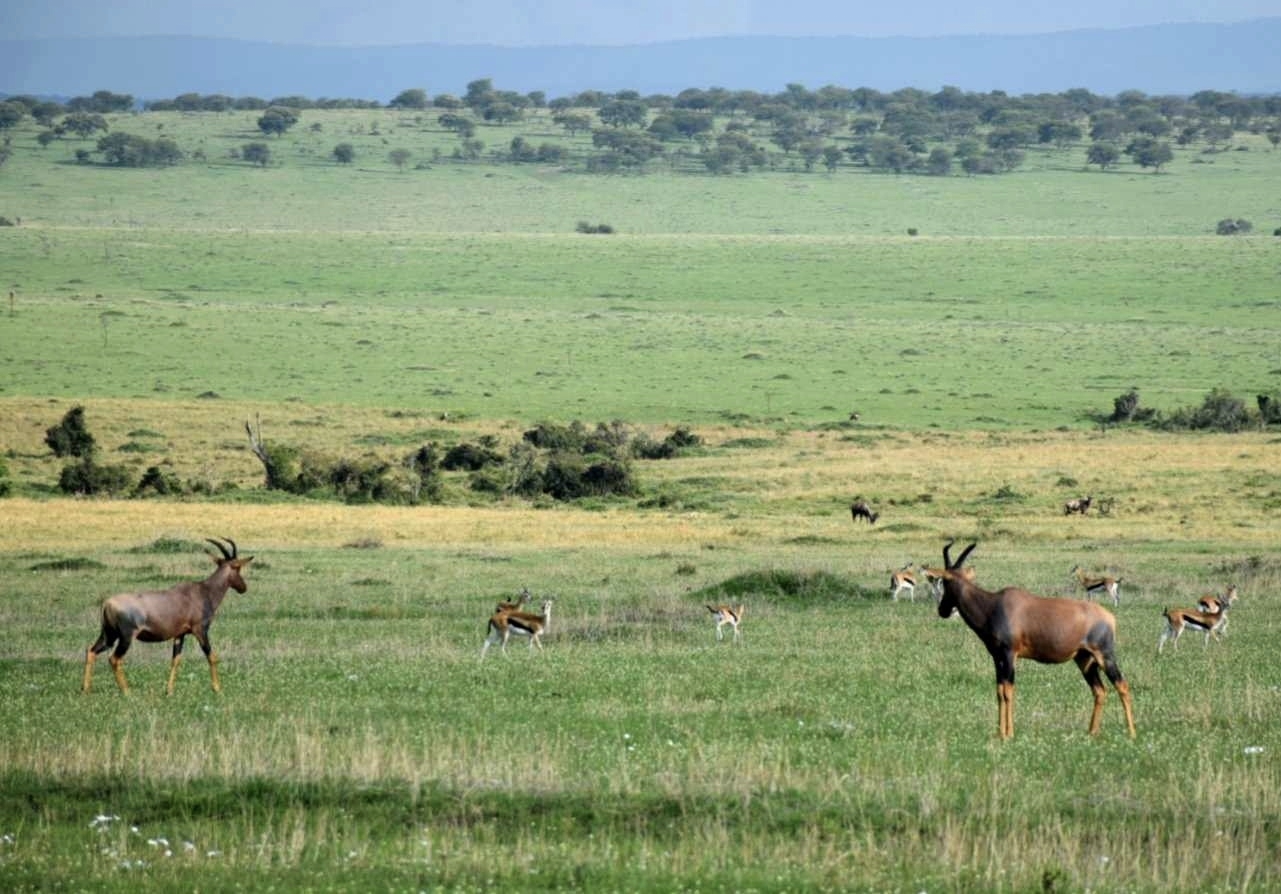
(1079, 505)
(726, 614)
(860, 510)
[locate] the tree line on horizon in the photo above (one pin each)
(904, 131)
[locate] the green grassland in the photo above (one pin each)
(848, 742)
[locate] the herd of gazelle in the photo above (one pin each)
(1012, 623)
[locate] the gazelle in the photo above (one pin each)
(1211, 603)
(1210, 623)
(901, 580)
(1013, 624)
(504, 624)
(157, 616)
(726, 614)
(1096, 585)
(521, 598)
(934, 577)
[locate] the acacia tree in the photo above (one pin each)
(1102, 154)
(277, 119)
(414, 98)
(344, 153)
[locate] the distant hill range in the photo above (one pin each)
(1160, 59)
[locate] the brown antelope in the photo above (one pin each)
(157, 616)
(521, 598)
(1211, 620)
(1013, 624)
(1096, 585)
(902, 580)
(504, 624)
(726, 614)
(1080, 504)
(859, 509)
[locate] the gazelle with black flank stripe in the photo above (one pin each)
(901, 580)
(504, 625)
(1210, 623)
(1096, 586)
(726, 614)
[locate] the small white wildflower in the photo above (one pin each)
(102, 819)
(188, 846)
(212, 854)
(1254, 749)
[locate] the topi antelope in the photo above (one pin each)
(725, 614)
(859, 509)
(504, 624)
(1013, 624)
(1080, 504)
(902, 580)
(157, 616)
(1211, 621)
(1096, 585)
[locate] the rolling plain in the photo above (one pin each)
(849, 741)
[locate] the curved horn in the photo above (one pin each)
(222, 549)
(965, 552)
(947, 561)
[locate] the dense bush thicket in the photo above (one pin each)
(1220, 410)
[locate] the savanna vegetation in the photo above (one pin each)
(413, 365)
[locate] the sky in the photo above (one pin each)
(591, 22)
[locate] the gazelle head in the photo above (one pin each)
(232, 561)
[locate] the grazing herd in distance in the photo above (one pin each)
(1012, 623)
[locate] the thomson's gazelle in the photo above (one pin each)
(726, 614)
(505, 624)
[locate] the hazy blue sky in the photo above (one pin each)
(526, 22)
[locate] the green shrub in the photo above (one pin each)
(88, 478)
(70, 437)
(1220, 411)
(158, 482)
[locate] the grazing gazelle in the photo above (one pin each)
(157, 616)
(902, 580)
(1096, 585)
(1210, 618)
(726, 614)
(504, 624)
(1013, 624)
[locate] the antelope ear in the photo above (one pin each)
(241, 563)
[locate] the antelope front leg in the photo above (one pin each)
(1005, 702)
(90, 657)
(173, 664)
(212, 657)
